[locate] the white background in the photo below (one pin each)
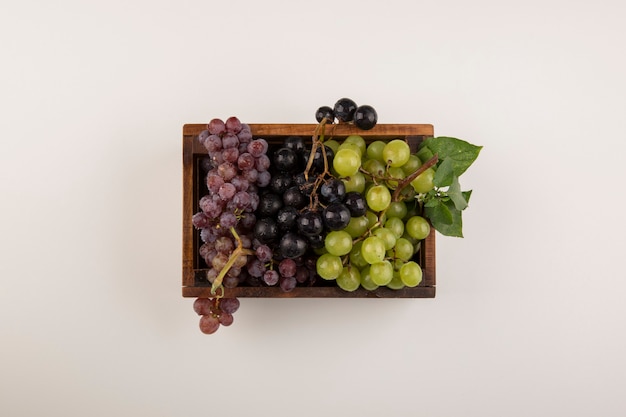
(529, 316)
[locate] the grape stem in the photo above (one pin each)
(397, 193)
(378, 178)
(318, 141)
(239, 250)
(406, 181)
(319, 131)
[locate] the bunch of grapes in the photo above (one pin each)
(214, 312)
(345, 110)
(236, 166)
(375, 248)
(290, 222)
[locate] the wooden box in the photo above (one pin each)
(194, 283)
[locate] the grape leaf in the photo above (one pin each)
(455, 194)
(438, 212)
(445, 173)
(461, 153)
(467, 195)
(446, 219)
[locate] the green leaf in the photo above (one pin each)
(446, 219)
(467, 195)
(455, 194)
(445, 173)
(461, 153)
(438, 213)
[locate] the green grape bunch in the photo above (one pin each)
(407, 194)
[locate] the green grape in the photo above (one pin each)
(372, 218)
(424, 154)
(397, 264)
(375, 150)
(411, 274)
(320, 251)
(338, 243)
(397, 209)
(346, 162)
(396, 225)
(353, 146)
(368, 184)
(356, 258)
(418, 227)
(397, 173)
(410, 238)
(329, 266)
(358, 141)
(366, 279)
(374, 167)
(396, 153)
(424, 181)
(387, 236)
(349, 279)
(411, 165)
(378, 197)
(396, 281)
(356, 183)
(332, 144)
(381, 273)
(408, 193)
(373, 249)
(403, 249)
(357, 226)
(412, 208)
(416, 247)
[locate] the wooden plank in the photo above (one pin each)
(312, 292)
(428, 259)
(339, 130)
(188, 212)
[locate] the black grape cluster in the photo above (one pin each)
(287, 230)
(345, 110)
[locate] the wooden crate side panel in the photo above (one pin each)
(339, 130)
(312, 292)
(188, 211)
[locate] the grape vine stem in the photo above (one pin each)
(397, 193)
(319, 131)
(239, 250)
(406, 181)
(318, 142)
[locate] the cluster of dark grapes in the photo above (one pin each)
(346, 111)
(284, 237)
(214, 312)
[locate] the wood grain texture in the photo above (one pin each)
(188, 211)
(306, 130)
(312, 292)
(192, 272)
